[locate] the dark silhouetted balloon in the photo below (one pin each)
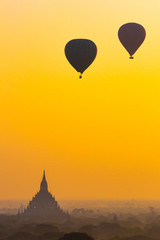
(80, 53)
(131, 35)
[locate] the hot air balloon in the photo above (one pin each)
(131, 35)
(80, 54)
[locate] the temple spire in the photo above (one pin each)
(44, 185)
(43, 205)
(44, 175)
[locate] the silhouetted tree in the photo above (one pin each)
(76, 236)
(43, 228)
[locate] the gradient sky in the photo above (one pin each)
(98, 137)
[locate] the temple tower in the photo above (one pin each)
(43, 204)
(44, 185)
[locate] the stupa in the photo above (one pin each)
(43, 204)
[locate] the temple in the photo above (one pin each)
(44, 204)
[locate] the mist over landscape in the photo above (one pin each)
(103, 219)
(101, 206)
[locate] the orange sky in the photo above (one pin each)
(98, 137)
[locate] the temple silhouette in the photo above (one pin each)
(43, 204)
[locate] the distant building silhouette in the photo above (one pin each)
(43, 204)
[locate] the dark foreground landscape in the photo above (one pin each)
(100, 225)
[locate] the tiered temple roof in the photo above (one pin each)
(44, 204)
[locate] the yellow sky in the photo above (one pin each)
(98, 137)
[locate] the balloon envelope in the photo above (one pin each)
(131, 35)
(80, 53)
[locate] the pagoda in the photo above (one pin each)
(43, 204)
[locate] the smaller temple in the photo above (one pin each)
(43, 204)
